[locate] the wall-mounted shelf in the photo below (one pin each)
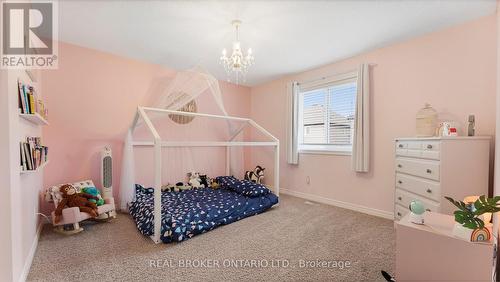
(35, 118)
(36, 170)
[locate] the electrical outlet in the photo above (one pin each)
(308, 180)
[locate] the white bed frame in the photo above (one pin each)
(158, 144)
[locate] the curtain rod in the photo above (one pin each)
(329, 76)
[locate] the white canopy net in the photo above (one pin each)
(180, 93)
(187, 86)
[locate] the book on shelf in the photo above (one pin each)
(32, 153)
(31, 98)
(22, 157)
(29, 102)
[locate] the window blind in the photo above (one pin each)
(327, 116)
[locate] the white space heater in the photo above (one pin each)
(107, 172)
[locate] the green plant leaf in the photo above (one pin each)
(486, 205)
(461, 205)
(467, 219)
(479, 222)
(470, 219)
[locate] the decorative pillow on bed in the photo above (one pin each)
(227, 182)
(251, 189)
(243, 187)
(141, 189)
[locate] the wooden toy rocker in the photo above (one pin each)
(77, 202)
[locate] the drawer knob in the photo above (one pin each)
(429, 191)
(429, 170)
(429, 146)
(400, 145)
(399, 198)
(400, 182)
(399, 214)
(400, 165)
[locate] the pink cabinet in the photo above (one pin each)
(430, 253)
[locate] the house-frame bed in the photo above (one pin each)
(157, 144)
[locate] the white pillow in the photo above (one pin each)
(53, 195)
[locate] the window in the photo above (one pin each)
(326, 115)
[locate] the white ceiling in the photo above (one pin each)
(286, 36)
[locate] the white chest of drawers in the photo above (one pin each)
(428, 169)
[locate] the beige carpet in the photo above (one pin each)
(278, 242)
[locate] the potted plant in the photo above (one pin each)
(469, 218)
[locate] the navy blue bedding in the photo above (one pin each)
(243, 187)
(192, 212)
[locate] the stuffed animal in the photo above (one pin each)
(94, 192)
(71, 198)
(176, 188)
(204, 180)
(256, 175)
(194, 179)
(214, 184)
(168, 187)
(180, 186)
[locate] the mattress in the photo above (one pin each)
(188, 213)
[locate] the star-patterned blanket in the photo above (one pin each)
(192, 212)
(243, 187)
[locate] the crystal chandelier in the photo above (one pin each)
(237, 62)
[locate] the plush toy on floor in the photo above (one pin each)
(68, 221)
(71, 198)
(195, 180)
(256, 175)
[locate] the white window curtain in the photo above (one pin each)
(361, 139)
(292, 155)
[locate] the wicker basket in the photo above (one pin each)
(181, 119)
(426, 121)
(189, 107)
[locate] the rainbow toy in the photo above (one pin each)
(480, 235)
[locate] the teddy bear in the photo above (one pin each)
(194, 180)
(71, 198)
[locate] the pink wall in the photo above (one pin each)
(496, 190)
(92, 99)
(453, 69)
(22, 192)
(93, 95)
(6, 239)
(176, 162)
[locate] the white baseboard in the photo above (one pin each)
(340, 204)
(31, 255)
